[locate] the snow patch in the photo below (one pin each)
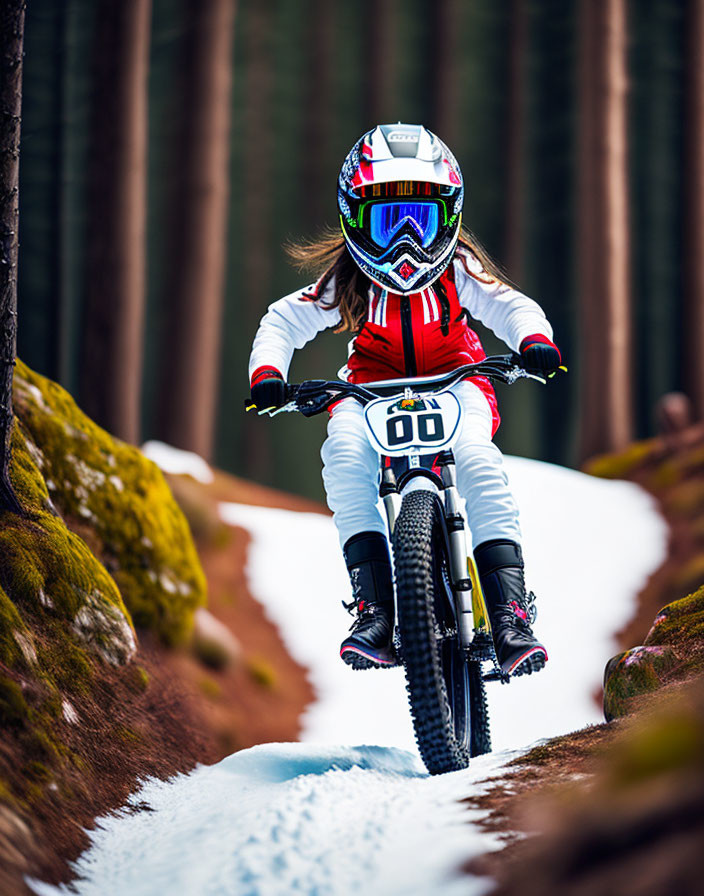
(26, 645)
(590, 544)
(173, 460)
(69, 712)
(282, 819)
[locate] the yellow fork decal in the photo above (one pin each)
(479, 612)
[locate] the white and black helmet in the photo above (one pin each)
(400, 195)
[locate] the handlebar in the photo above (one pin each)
(315, 396)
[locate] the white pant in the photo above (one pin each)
(351, 472)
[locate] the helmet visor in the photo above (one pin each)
(387, 218)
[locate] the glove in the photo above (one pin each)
(539, 354)
(268, 388)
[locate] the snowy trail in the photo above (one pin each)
(320, 818)
(284, 819)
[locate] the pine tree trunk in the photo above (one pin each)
(444, 99)
(317, 118)
(380, 44)
(194, 300)
(694, 211)
(258, 206)
(604, 276)
(515, 143)
(111, 345)
(11, 42)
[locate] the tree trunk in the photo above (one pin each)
(317, 118)
(694, 210)
(380, 44)
(194, 299)
(11, 41)
(515, 142)
(258, 204)
(112, 349)
(444, 99)
(604, 276)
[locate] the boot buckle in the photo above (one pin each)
(531, 609)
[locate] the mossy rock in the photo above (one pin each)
(117, 500)
(634, 673)
(13, 707)
(13, 633)
(48, 573)
(681, 624)
(100, 541)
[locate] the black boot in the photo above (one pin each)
(370, 644)
(500, 566)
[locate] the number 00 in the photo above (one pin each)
(399, 429)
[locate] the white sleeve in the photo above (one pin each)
(289, 324)
(510, 314)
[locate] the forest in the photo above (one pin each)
(171, 148)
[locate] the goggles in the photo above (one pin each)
(386, 219)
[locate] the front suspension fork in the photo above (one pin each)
(459, 569)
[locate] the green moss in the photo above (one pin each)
(671, 740)
(39, 743)
(138, 679)
(686, 499)
(210, 688)
(666, 474)
(10, 624)
(6, 795)
(211, 653)
(127, 735)
(68, 665)
(37, 772)
(97, 481)
(618, 466)
(13, 707)
(262, 672)
(49, 573)
(633, 674)
(679, 622)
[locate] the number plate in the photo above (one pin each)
(399, 426)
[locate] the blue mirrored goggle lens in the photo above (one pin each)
(387, 218)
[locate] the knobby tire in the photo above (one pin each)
(420, 560)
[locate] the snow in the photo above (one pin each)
(283, 819)
(589, 546)
(321, 818)
(178, 462)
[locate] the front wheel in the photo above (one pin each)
(446, 693)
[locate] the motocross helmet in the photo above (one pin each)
(399, 195)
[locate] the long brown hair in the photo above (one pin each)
(327, 256)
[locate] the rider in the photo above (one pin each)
(405, 279)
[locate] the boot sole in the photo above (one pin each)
(532, 661)
(358, 660)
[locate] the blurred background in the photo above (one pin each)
(171, 147)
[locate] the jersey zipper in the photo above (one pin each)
(409, 352)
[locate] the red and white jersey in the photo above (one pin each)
(403, 335)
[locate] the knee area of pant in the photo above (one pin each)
(346, 460)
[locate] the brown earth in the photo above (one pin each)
(619, 808)
(615, 809)
(175, 708)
